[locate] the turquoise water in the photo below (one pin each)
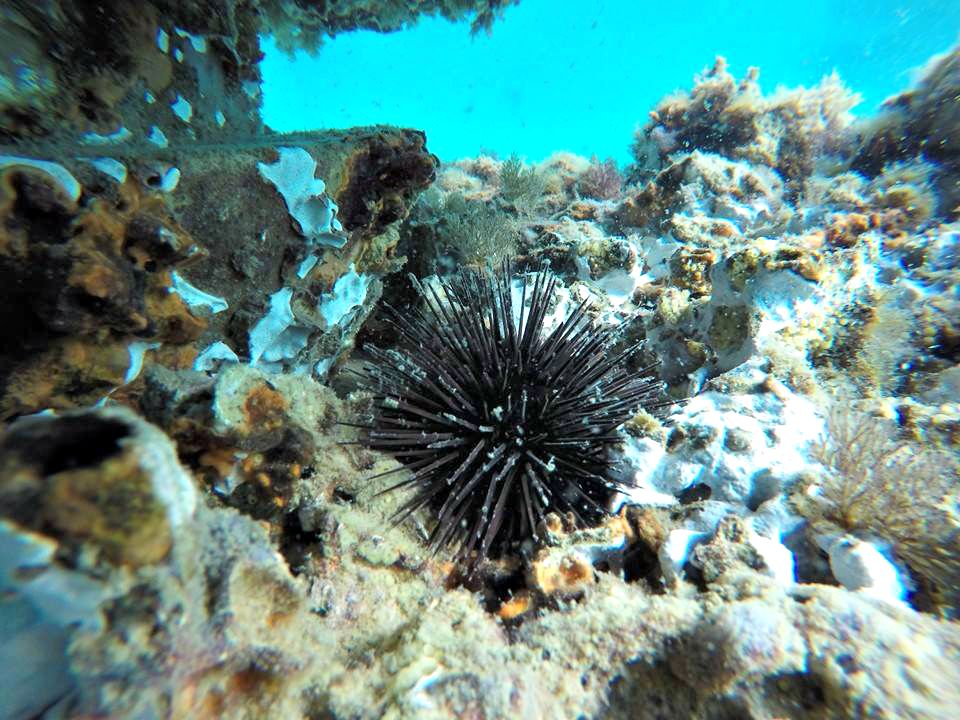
(580, 76)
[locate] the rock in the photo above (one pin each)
(859, 565)
(168, 73)
(88, 289)
(102, 288)
(103, 478)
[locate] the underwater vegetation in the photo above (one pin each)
(877, 485)
(789, 131)
(502, 415)
(520, 185)
(447, 230)
(305, 24)
(602, 180)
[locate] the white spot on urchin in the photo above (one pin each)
(157, 137)
(182, 108)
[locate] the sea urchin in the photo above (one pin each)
(499, 418)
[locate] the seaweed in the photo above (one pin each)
(877, 484)
(602, 180)
(450, 229)
(521, 186)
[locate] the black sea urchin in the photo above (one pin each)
(499, 419)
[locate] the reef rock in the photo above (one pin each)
(104, 271)
(785, 132)
(920, 122)
(165, 72)
(87, 282)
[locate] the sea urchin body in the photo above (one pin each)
(498, 418)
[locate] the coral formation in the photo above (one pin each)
(364, 625)
(786, 132)
(919, 123)
(104, 481)
(103, 276)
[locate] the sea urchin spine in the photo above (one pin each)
(498, 419)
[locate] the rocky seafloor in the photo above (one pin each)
(189, 531)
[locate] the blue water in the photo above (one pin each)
(580, 76)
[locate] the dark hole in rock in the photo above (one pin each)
(154, 181)
(695, 493)
(88, 112)
(765, 487)
(677, 435)
(495, 583)
(501, 588)
(795, 691)
(342, 496)
(926, 596)
(848, 663)
(68, 443)
(38, 206)
(640, 564)
(695, 575)
(811, 563)
(298, 545)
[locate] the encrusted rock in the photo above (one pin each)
(88, 287)
(104, 478)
